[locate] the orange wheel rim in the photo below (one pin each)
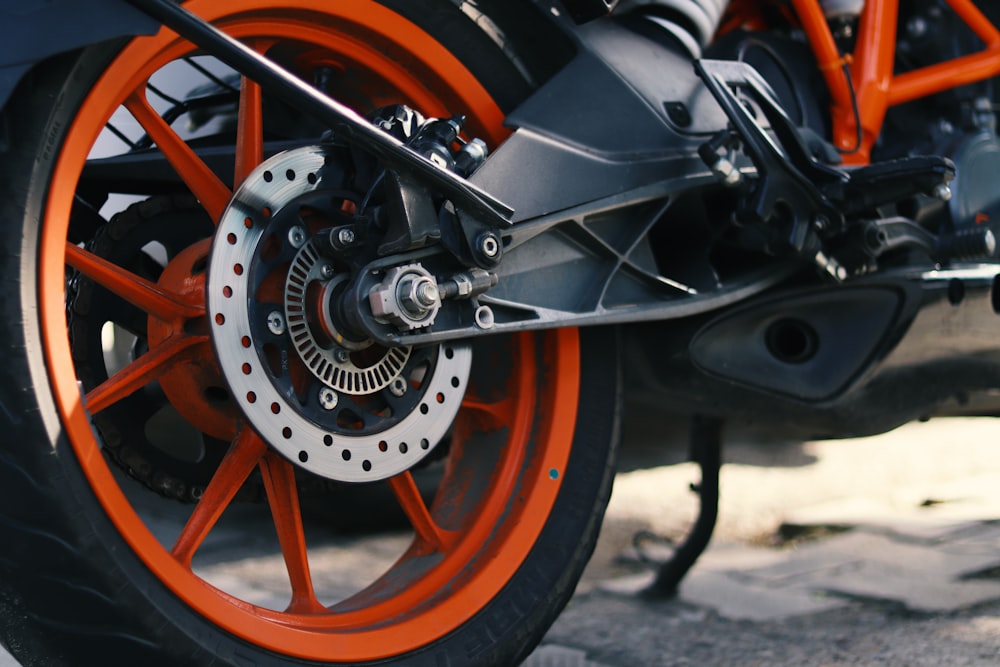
(531, 420)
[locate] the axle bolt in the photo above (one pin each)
(328, 398)
(276, 323)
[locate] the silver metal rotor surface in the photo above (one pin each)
(423, 391)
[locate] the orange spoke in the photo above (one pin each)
(249, 130)
(206, 186)
(408, 495)
(282, 495)
(241, 459)
(495, 413)
(160, 359)
(135, 289)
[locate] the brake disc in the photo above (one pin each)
(347, 410)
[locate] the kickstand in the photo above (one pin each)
(706, 451)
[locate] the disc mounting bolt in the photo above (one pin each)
(276, 323)
(398, 387)
(297, 237)
(328, 398)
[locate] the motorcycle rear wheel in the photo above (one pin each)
(83, 577)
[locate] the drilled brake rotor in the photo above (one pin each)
(345, 409)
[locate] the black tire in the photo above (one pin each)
(73, 588)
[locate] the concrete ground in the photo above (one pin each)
(873, 551)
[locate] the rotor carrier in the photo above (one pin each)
(348, 410)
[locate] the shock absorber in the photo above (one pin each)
(693, 22)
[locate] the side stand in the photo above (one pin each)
(706, 451)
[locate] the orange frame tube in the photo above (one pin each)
(871, 69)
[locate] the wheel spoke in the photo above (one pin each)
(493, 414)
(206, 186)
(249, 130)
(283, 497)
(160, 359)
(133, 288)
(428, 531)
(241, 459)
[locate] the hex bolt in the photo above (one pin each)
(276, 323)
(942, 191)
(328, 398)
(297, 237)
(489, 245)
(397, 387)
(345, 237)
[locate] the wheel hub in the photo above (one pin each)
(345, 409)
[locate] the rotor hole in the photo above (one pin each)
(220, 319)
(227, 292)
(383, 446)
(449, 353)
(791, 341)
(439, 398)
(312, 179)
(346, 455)
(366, 465)
(266, 211)
(286, 433)
(238, 269)
(246, 342)
(290, 174)
(231, 238)
(424, 409)
(251, 397)
(425, 444)
(268, 176)
(328, 440)
(248, 223)
(275, 408)
(303, 456)
(403, 448)
(455, 382)
(247, 368)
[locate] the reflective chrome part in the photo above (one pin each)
(332, 364)
(346, 410)
(408, 297)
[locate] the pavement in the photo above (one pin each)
(874, 551)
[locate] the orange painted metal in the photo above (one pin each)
(429, 534)
(144, 370)
(396, 61)
(138, 291)
(206, 186)
(279, 482)
(192, 382)
(241, 459)
(875, 86)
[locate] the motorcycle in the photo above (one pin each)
(286, 250)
